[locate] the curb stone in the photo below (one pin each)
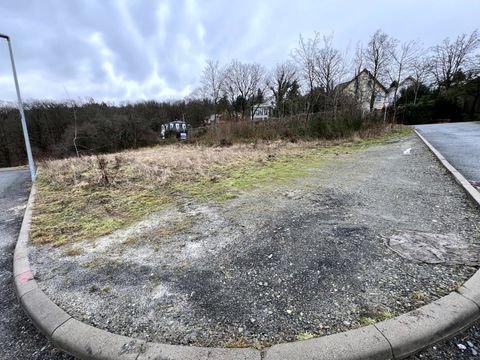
(431, 323)
(363, 343)
(85, 341)
(21, 167)
(459, 178)
(391, 339)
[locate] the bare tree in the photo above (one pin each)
(449, 58)
(213, 78)
(280, 81)
(421, 69)
(242, 82)
(305, 56)
(403, 57)
(358, 63)
(377, 57)
(329, 65)
(330, 69)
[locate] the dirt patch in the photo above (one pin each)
(435, 248)
(278, 263)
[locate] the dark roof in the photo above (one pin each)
(343, 85)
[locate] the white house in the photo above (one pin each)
(406, 83)
(261, 112)
(361, 86)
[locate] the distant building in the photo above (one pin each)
(261, 112)
(177, 128)
(406, 83)
(361, 86)
(211, 119)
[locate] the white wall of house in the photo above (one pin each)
(262, 112)
(364, 91)
(403, 85)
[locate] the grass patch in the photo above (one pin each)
(305, 336)
(419, 298)
(241, 342)
(106, 289)
(227, 181)
(73, 251)
(385, 315)
(375, 316)
(87, 197)
(61, 217)
(366, 320)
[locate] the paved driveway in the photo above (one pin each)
(18, 337)
(459, 143)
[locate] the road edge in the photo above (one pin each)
(396, 338)
(459, 178)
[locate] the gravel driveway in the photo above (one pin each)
(294, 260)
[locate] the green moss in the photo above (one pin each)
(106, 289)
(230, 181)
(63, 216)
(385, 315)
(375, 317)
(365, 321)
(305, 336)
(240, 342)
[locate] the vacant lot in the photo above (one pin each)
(254, 244)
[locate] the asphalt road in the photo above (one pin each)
(19, 339)
(459, 143)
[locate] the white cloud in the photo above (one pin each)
(129, 50)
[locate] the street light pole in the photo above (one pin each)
(31, 164)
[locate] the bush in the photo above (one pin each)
(443, 109)
(446, 109)
(320, 125)
(416, 114)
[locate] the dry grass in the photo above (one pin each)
(159, 165)
(86, 197)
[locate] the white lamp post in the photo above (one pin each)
(31, 164)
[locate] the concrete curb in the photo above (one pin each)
(471, 191)
(21, 167)
(390, 339)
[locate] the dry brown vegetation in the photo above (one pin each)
(86, 197)
(159, 165)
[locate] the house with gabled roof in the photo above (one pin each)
(404, 84)
(361, 87)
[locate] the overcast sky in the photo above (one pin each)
(133, 50)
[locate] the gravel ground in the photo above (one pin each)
(273, 265)
(19, 337)
(465, 346)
